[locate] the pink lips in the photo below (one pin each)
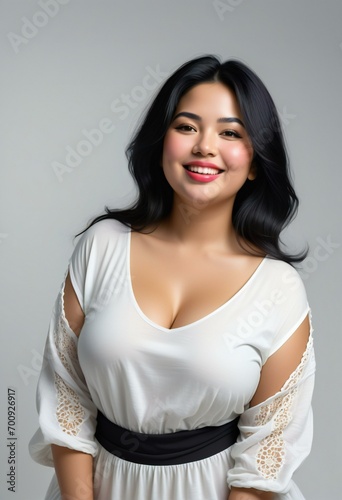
(202, 177)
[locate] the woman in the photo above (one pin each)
(179, 357)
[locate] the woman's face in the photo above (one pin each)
(207, 154)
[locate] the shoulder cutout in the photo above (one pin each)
(280, 365)
(72, 309)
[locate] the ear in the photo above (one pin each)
(252, 172)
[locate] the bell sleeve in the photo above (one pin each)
(67, 414)
(276, 435)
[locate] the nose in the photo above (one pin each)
(205, 144)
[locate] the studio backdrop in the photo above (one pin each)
(75, 77)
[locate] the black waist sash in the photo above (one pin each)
(165, 449)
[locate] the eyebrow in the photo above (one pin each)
(230, 119)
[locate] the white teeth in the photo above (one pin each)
(203, 170)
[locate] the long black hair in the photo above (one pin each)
(263, 207)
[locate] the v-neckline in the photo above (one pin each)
(197, 321)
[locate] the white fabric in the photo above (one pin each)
(150, 379)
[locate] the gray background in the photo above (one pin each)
(73, 71)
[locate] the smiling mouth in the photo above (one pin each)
(202, 170)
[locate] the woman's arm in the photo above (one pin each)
(250, 494)
(74, 469)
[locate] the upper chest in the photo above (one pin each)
(175, 286)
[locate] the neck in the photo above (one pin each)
(204, 226)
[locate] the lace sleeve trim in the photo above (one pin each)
(271, 455)
(70, 413)
(65, 341)
(66, 347)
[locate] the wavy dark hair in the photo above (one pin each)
(263, 207)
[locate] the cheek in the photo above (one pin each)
(174, 147)
(170, 147)
(238, 156)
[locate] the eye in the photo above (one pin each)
(231, 134)
(186, 128)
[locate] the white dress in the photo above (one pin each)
(150, 379)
